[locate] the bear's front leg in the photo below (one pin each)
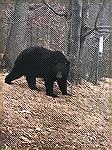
(31, 81)
(62, 83)
(49, 89)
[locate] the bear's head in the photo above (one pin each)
(62, 69)
(60, 65)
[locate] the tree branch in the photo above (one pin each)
(98, 14)
(95, 25)
(59, 14)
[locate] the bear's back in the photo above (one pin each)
(32, 54)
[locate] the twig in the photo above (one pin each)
(59, 14)
(95, 25)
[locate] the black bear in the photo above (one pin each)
(34, 62)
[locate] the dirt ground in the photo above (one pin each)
(35, 121)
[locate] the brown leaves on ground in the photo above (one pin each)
(33, 119)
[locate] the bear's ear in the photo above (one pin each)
(67, 63)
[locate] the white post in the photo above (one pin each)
(101, 45)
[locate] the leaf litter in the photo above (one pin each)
(32, 119)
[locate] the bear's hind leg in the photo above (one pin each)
(13, 75)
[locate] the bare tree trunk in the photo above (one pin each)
(2, 38)
(110, 51)
(110, 58)
(68, 27)
(73, 37)
(96, 71)
(16, 40)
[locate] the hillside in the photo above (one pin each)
(30, 118)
